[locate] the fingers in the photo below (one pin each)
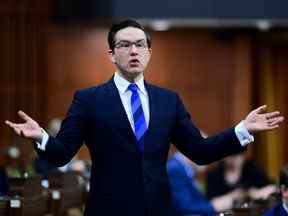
(272, 115)
(275, 121)
(24, 116)
(9, 123)
(273, 127)
(261, 109)
(14, 126)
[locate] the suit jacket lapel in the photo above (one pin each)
(118, 117)
(154, 106)
(121, 124)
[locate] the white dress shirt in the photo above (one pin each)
(122, 84)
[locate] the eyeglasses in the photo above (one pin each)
(127, 45)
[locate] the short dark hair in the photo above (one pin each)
(124, 24)
(283, 176)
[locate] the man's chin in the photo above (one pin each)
(134, 73)
(131, 74)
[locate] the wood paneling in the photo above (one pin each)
(23, 65)
(271, 73)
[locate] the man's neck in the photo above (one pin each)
(131, 78)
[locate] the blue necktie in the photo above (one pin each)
(138, 116)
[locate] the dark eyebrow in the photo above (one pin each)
(126, 41)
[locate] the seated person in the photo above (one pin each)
(43, 167)
(3, 182)
(281, 208)
(234, 180)
(186, 197)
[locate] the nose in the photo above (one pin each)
(133, 50)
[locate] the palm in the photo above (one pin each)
(257, 120)
(29, 129)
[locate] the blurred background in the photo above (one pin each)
(223, 57)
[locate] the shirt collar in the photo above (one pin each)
(122, 84)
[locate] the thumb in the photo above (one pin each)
(261, 109)
(24, 116)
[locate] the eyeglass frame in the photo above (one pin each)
(130, 44)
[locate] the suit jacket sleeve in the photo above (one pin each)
(189, 141)
(61, 149)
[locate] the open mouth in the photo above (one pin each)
(134, 62)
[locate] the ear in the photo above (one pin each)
(150, 51)
(111, 56)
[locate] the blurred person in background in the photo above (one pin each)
(281, 209)
(187, 197)
(4, 187)
(13, 165)
(235, 180)
(128, 125)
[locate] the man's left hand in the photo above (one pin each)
(259, 120)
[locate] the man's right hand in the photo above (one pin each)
(29, 129)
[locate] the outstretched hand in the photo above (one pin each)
(29, 129)
(259, 120)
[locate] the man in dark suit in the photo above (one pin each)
(128, 125)
(281, 209)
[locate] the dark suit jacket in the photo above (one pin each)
(278, 210)
(124, 181)
(186, 197)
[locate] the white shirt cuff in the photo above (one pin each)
(42, 145)
(243, 134)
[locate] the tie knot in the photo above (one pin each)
(133, 87)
